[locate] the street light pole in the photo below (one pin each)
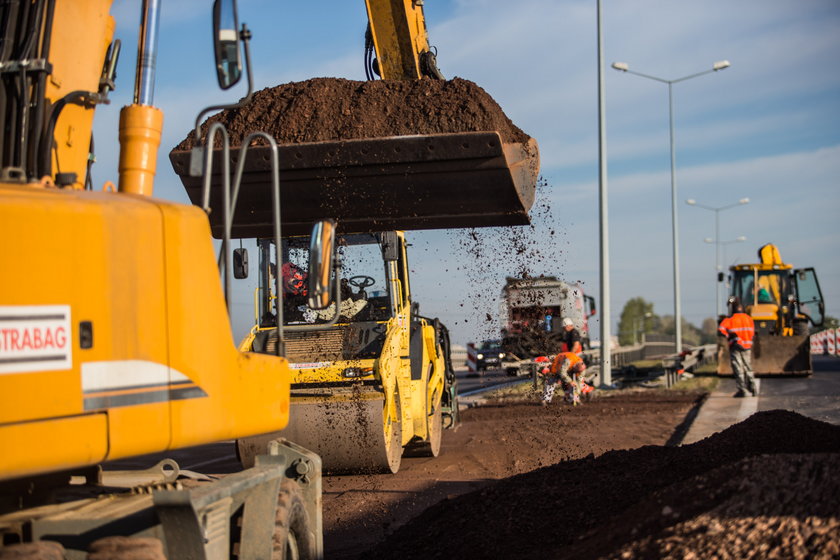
(606, 332)
(717, 211)
(624, 67)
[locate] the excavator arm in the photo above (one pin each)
(397, 32)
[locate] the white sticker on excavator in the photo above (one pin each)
(35, 338)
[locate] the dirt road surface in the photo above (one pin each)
(493, 442)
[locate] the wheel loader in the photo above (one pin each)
(367, 388)
(783, 302)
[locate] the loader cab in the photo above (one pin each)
(781, 301)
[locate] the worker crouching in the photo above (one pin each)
(567, 369)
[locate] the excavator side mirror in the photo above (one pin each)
(226, 43)
(240, 263)
(321, 259)
(720, 276)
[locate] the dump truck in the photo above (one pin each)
(532, 311)
(784, 303)
(115, 336)
(372, 377)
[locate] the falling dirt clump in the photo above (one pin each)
(326, 109)
(766, 487)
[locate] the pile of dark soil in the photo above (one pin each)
(764, 488)
(325, 109)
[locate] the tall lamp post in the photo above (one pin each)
(719, 267)
(624, 67)
(717, 211)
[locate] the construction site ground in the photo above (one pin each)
(494, 441)
(634, 473)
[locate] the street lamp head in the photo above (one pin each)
(709, 240)
(691, 201)
(720, 65)
(741, 238)
(622, 66)
(744, 201)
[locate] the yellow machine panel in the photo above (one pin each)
(111, 326)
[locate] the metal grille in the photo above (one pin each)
(318, 346)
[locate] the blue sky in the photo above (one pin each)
(767, 128)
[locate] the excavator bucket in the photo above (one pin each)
(433, 181)
(772, 355)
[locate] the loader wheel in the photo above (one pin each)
(293, 532)
(126, 548)
(392, 431)
(435, 431)
(800, 328)
(41, 550)
(430, 447)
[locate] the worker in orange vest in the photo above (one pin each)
(739, 329)
(567, 368)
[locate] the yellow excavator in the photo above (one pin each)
(115, 337)
(783, 302)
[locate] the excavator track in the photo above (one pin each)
(433, 181)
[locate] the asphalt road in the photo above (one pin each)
(816, 396)
(468, 382)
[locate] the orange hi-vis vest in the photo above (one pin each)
(563, 356)
(742, 325)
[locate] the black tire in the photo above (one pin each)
(294, 536)
(41, 550)
(126, 548)
(800, 328)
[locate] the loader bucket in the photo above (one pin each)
(434, 181)
(772, 355)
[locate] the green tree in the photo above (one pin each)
(710, 330)
(830, 322)
(636, 317)
(691, 335)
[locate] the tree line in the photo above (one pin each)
(638, 320)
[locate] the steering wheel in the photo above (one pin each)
(361, 281)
